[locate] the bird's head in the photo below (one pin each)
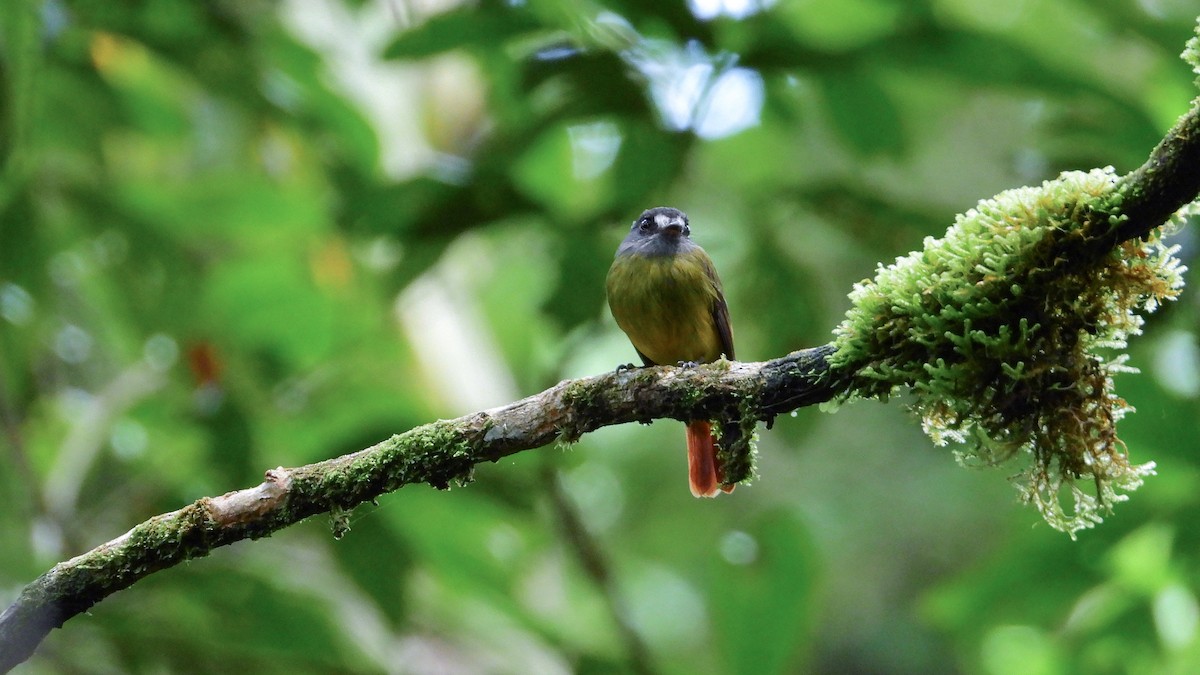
(658, 231)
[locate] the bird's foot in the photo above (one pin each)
(688, 364)
(625, 366)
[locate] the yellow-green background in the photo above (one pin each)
(242, 234)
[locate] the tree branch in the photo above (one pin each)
(439, 453)
(446, 452)
(1167, 181)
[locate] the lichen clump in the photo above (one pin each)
(1008, 332)
(1191, 52)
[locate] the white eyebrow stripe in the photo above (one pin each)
(662, 219)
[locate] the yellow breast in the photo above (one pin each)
(665, 305)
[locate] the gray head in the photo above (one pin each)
(661, 230)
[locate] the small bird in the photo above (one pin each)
(665, 294)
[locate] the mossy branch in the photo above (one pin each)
(980, 325)
(441, 454)
(1007, 331)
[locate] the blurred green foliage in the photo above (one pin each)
(240, 235)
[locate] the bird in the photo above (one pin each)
(664, 293)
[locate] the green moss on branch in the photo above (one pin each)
(1008, 332)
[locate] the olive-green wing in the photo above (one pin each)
(720, 312)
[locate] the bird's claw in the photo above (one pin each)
(625, 366)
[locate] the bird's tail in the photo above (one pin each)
(704, 472)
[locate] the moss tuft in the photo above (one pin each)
(1008, 331)
(737, 451)
(440, 454)
(1191, 52)
(339, 521)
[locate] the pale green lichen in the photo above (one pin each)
(1007, 331)
(1191, 52)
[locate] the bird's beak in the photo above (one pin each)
(675, 227)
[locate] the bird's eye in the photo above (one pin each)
(644, 225)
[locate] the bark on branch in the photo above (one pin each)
(447, 451)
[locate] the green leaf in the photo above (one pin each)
(268, 305)
(863, 112)
(468, 27)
